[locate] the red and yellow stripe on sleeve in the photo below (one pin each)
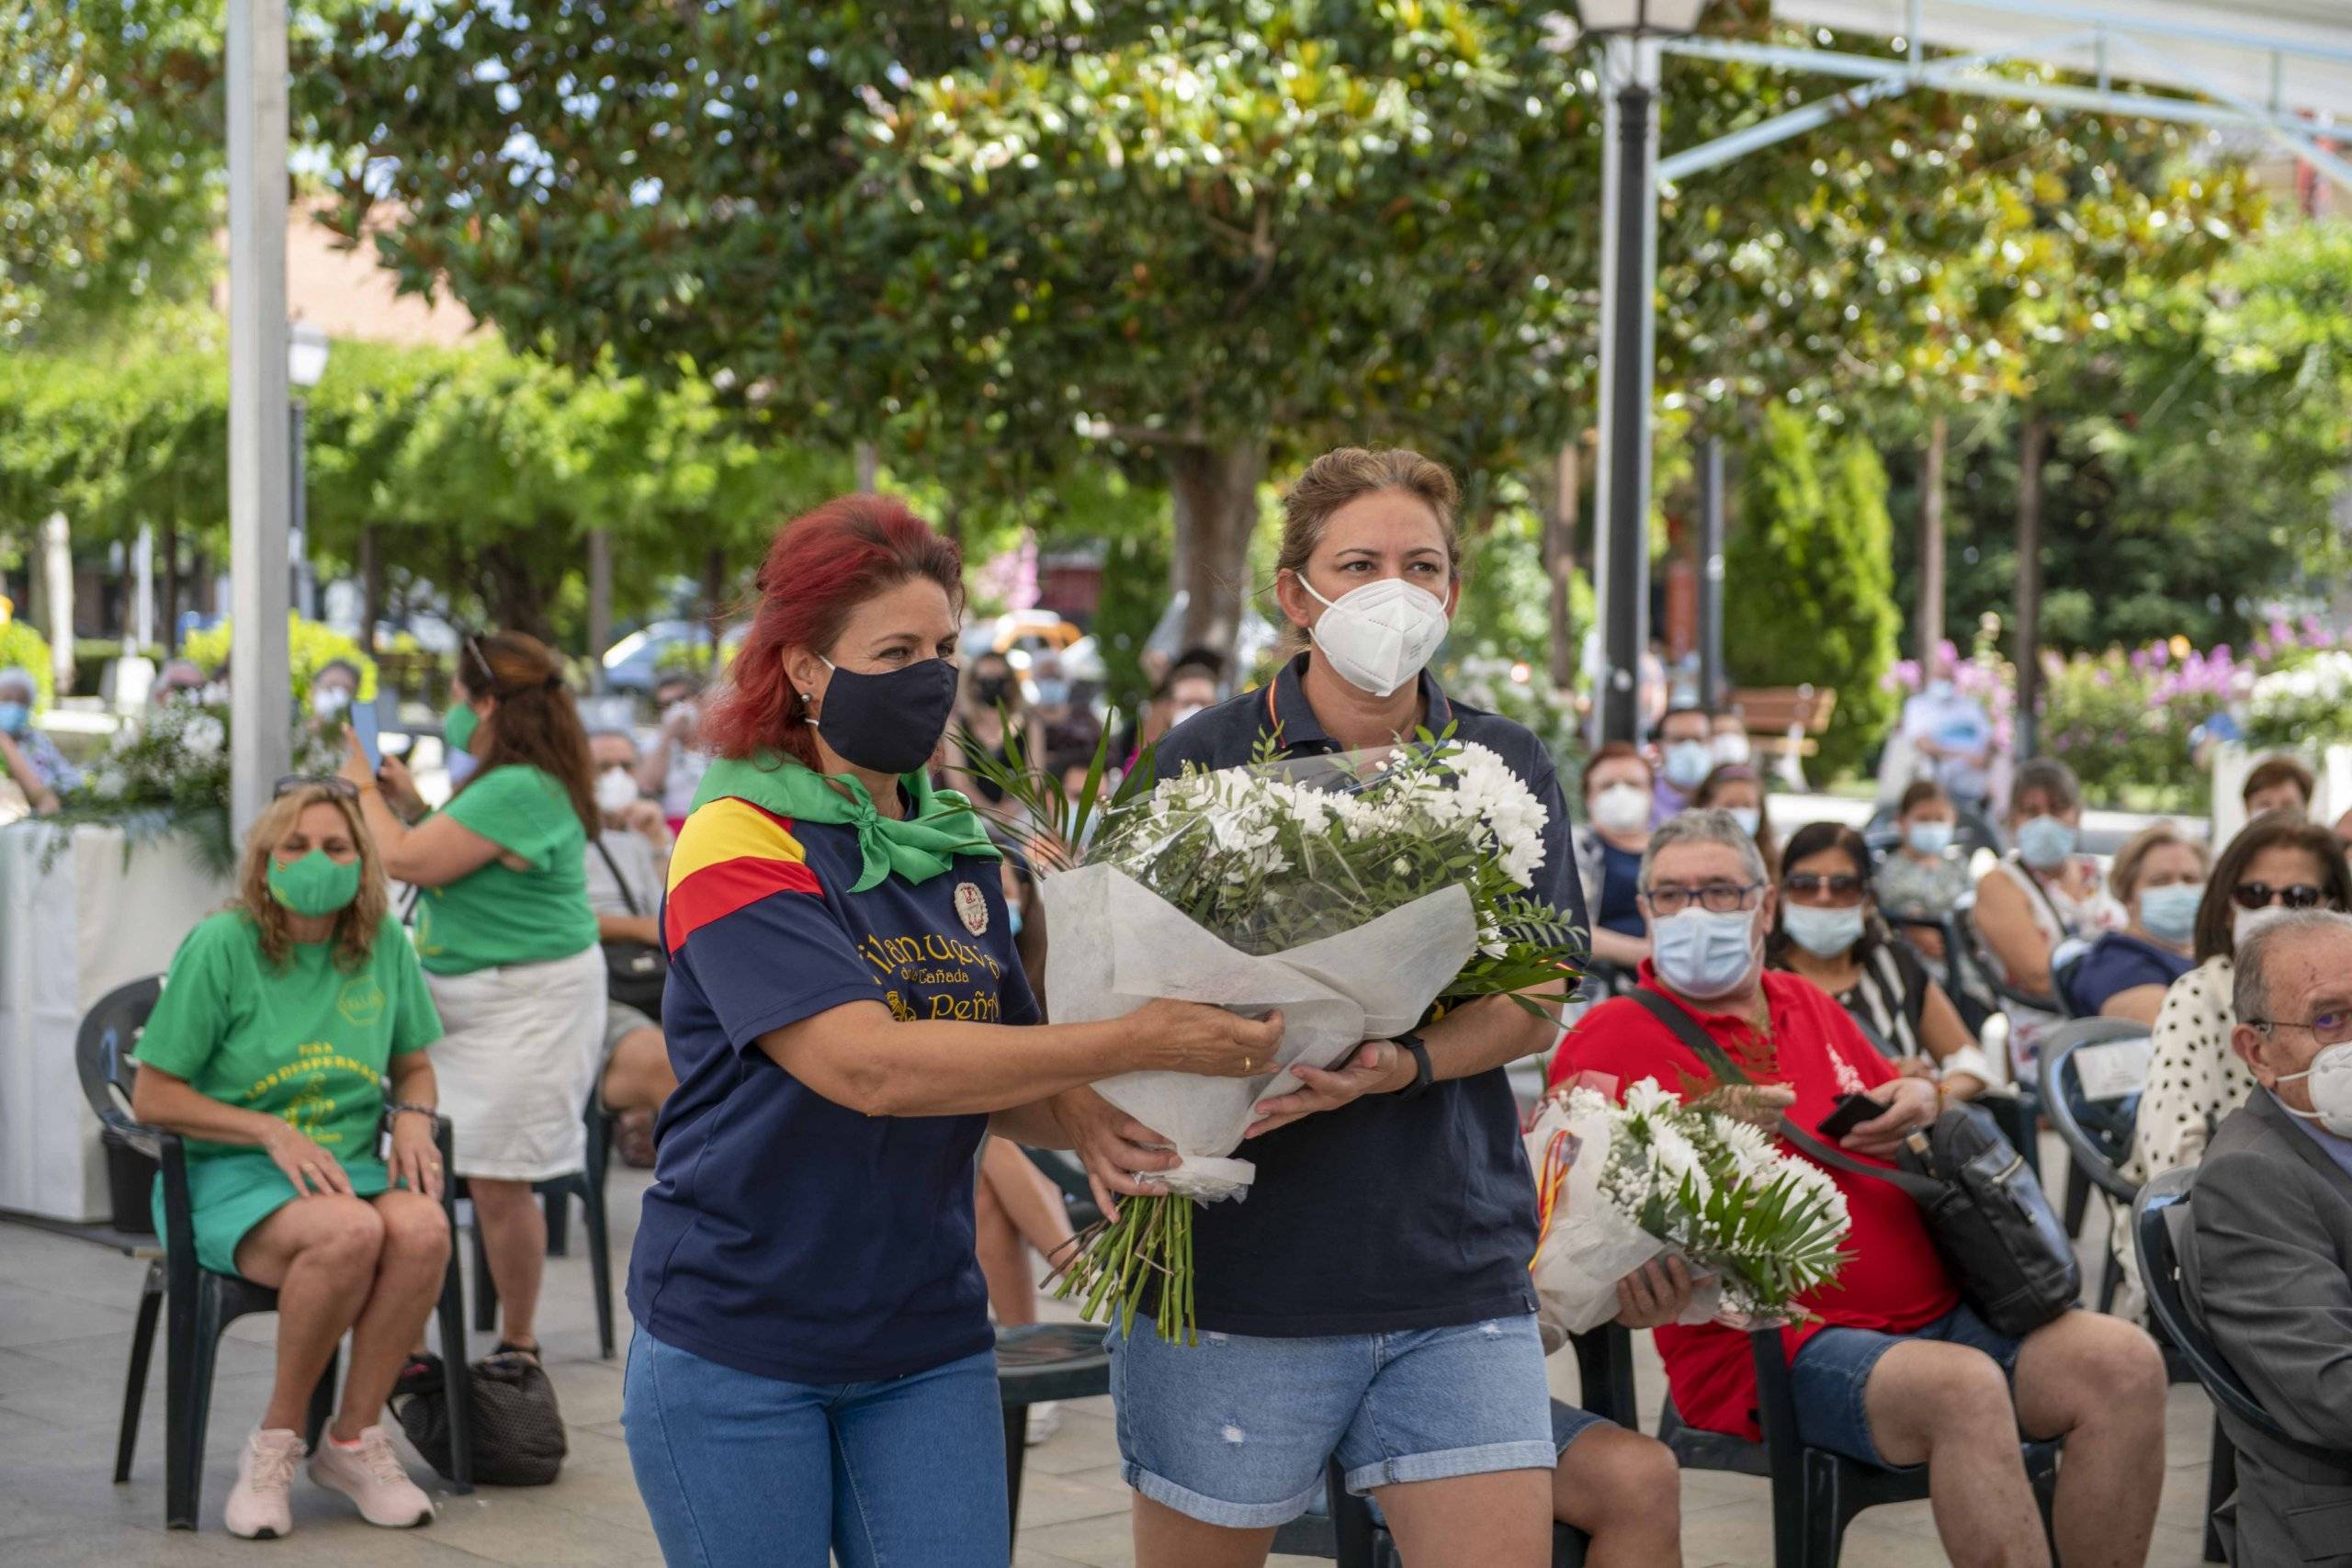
(730, 855)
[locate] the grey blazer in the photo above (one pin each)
(2270, 1275)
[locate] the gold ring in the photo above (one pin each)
(1248, 1063)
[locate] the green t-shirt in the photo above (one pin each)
(497, 915)
(309, 1043)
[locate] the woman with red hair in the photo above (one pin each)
(814, 1371)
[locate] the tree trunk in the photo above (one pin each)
(371, 588)
(2032, 438)
(1216, 491)
(600, 604)
(1562, 499)
(869, 465)
(1931, 539)
(169, 544)
(714, 588)
(513, 591)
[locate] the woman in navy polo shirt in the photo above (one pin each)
(1370, 1300)
(814, 1371)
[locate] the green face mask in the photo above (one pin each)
(457, 726)
(314, 885)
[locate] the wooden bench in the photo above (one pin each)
(1785, 723)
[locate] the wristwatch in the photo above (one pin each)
(1422, 1074)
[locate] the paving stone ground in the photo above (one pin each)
(65, 1316)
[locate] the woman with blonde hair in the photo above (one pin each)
(1370, 1303)
(508, 940)
(281, 1017)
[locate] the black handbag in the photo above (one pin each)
(636, 973)
(518, 1430)
(1999, 1236)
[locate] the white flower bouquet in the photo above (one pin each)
(1619, 1185)
(169, 773)
(1355, 892)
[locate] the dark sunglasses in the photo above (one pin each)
(341, 788)
(1809, 885)
(2261, 895)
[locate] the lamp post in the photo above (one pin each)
(306, 361)
(1628, 30)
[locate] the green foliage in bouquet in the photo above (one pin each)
(170, 774)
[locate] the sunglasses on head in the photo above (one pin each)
(2261, 895)
(341, 788)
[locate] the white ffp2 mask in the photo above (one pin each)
(1379, 635)
(2330, 1076)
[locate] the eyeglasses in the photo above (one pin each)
(2328, 1028)
(341, 788)
(1841, 887)
(1670, 899)
(2261, 895)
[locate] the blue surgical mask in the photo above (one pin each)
(1928, 838)
(1703, 954)
(2045, 842)
(1824, 933)
(14, 718)
(1688, 763)
(1012, 919)
(1748, 818)
(2170, 912)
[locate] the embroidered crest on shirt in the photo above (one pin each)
(973, 906)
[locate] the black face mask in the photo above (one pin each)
(889, 723)
(990, 690)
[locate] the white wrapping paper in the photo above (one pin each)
(1117, 945)
(1589, 1246)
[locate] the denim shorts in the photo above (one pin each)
(1834, 1366)
(1236, 1431)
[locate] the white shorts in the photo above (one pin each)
(521, 1049)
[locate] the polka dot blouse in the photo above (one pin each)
(2194, 1079)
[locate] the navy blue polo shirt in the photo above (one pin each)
(787, 1235)
(1388, 1213)
(2118, 961)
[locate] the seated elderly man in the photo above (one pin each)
(26, 756)
(1897, 1371)
(2270, 1271)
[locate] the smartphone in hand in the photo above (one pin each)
(363, 726)
(1853, 1109)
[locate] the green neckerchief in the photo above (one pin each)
(922, 845)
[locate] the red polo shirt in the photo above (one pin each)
(1896, 1281)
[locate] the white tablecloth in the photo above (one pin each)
(69, 935)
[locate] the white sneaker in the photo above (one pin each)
(371, 1474)
(257, 1510)
(1045, 1420)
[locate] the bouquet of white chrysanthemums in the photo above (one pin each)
(1619, 1185)
(1355, 892)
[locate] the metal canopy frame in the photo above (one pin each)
(2123, 51)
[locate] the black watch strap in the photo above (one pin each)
(1423, 1075)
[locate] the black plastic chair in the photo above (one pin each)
(2097, 1133)
(1816, 1492)
(1346, 1531)
(2158, 1215)
(588, 1186)
(203, 1303)
(1036, 1363)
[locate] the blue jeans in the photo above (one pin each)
(1831, 1373)
(1236, 1431)
(739, 1470)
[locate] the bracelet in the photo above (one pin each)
(1423, 1072)
(403, 1107)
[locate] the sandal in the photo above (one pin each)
(521, 1352)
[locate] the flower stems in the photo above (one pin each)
(1115, 1262)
